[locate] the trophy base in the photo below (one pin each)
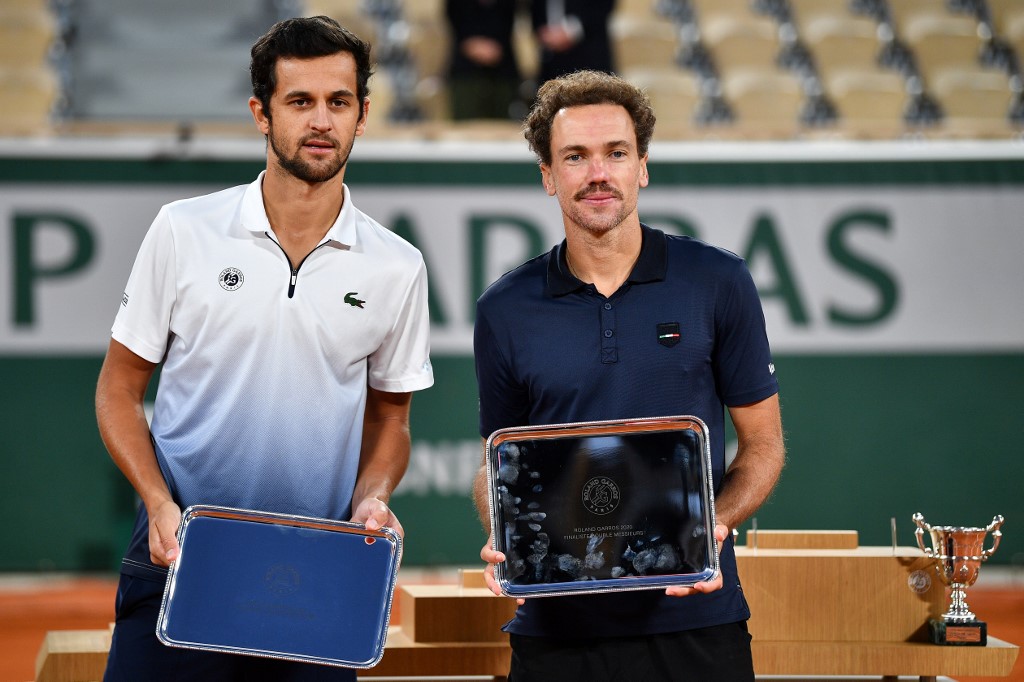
(973, 633)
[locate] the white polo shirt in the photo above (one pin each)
(261, 396)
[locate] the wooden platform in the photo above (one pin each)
(817, 612)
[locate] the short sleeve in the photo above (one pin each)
(142, 323)
(402, 362)
(503, 399)
(743, 367)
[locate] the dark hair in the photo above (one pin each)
(305, 38)
(579, 89)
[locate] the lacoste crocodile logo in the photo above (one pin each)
(351, 299)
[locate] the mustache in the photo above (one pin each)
(599, 188)
(316, 138)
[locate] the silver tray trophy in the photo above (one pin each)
(602, 506)
(958, 553)
(280, 586)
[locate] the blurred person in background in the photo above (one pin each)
(622, 321)
(483, 76)
(573, 36)
(291, 328)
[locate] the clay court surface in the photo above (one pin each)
(32, 605)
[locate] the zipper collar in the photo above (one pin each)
(254, 216)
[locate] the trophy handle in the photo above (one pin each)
(922, 526)
(997, 535)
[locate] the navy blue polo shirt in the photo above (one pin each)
(684, 334)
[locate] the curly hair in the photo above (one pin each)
(305, 38)
(579, 89)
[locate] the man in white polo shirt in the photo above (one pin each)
(292, 329)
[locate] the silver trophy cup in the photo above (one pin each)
(958, 553)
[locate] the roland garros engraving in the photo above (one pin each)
(282, 579)
(601, 495)
(231, 278)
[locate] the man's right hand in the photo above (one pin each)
(163, 533)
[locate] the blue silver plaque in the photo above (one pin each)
(602, 506)
(280, 586)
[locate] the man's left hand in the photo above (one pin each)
(721, 533)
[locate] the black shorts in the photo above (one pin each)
(136, 654)
(715, 654)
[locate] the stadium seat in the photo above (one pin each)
(905, 11)
(433, 99)
(741, 43)
(26, 34)
(382, 98)
(869, 104)
(708, 10)
(975, 102)
(805, 11)
(1007, 16)
(423, 10)
(675, 95)
(428, 46)
(640, 43)
(27, 96)
(766, 103)
(33, 5)
(842, 43)
(1011, 29)
(641, 9)
(526, 47)
(941, 42)
(347, 13)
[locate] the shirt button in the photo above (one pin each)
(607, 333)
(607, 306)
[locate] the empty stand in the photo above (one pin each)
(725, 68)
(181, 61)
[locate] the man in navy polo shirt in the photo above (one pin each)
(622, 321)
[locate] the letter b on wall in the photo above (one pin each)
(35, 261)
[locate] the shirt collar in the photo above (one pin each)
(651, 264)
(254, 214)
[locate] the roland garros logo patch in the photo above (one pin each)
(601, 495)
(231, 278)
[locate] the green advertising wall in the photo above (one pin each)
(891, 287)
